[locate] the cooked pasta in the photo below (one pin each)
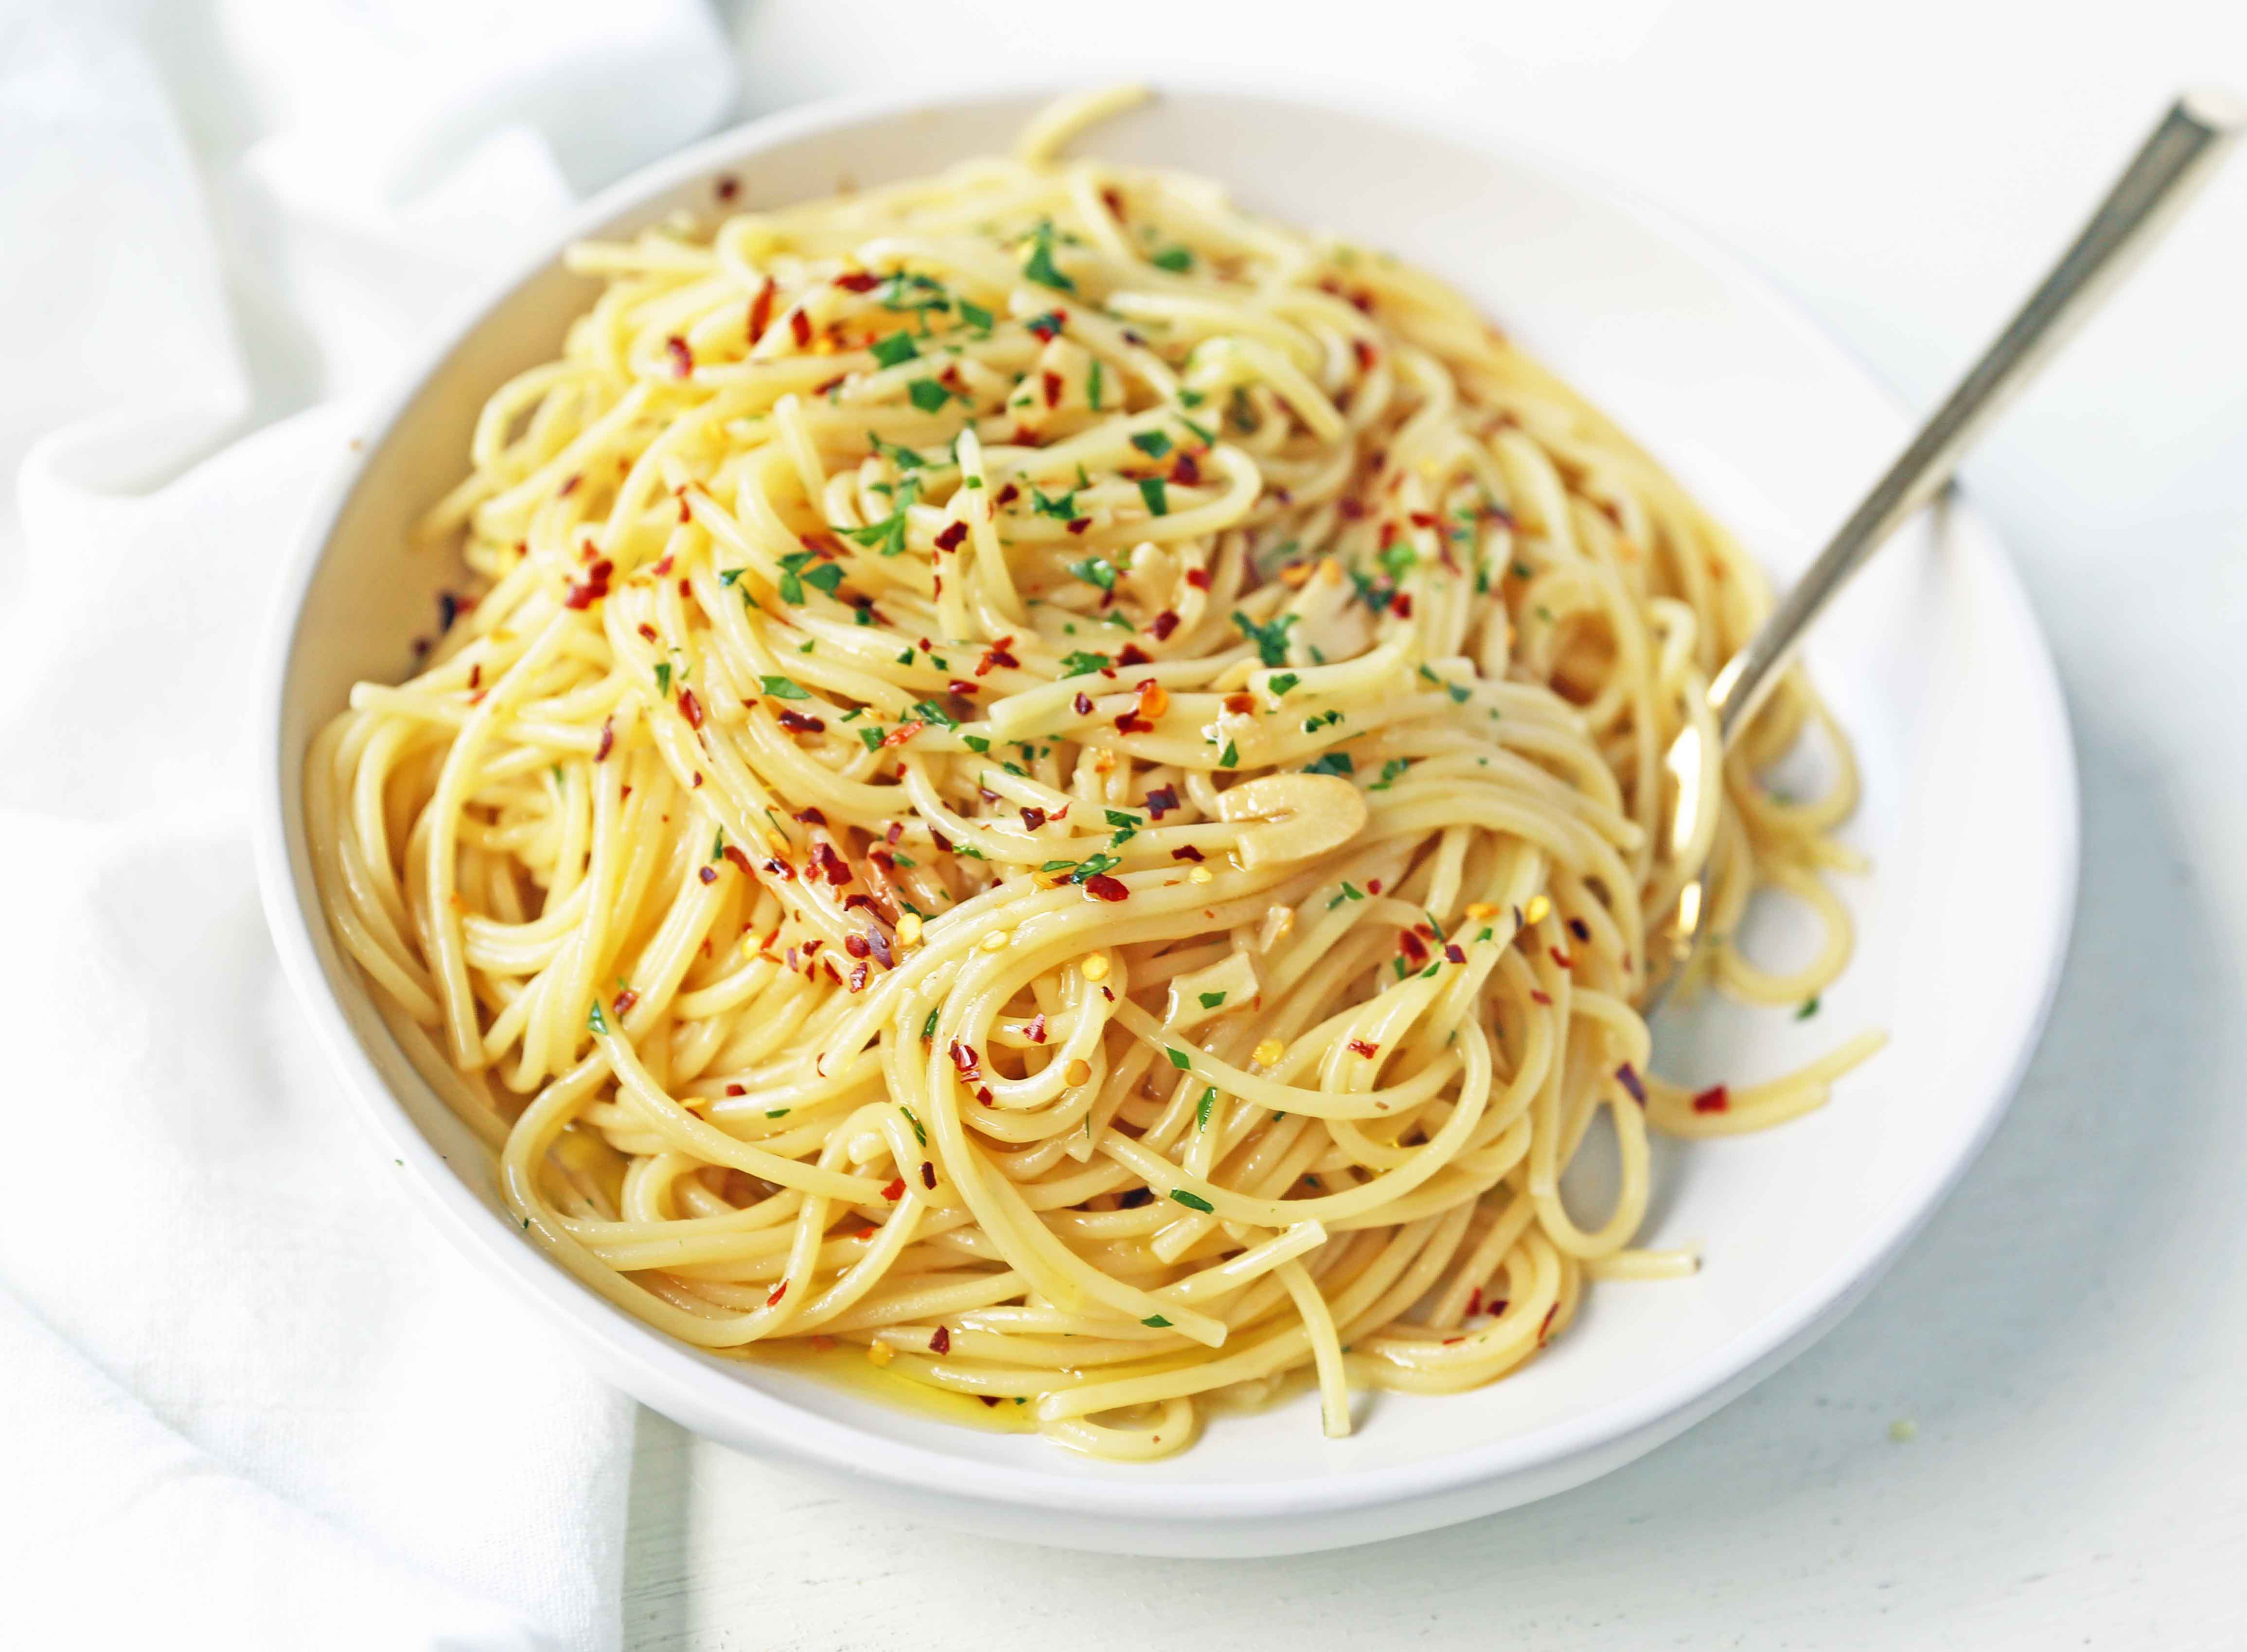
(1055, 789)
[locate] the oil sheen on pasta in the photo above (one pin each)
(1053, 788)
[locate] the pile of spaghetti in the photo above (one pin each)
(1055, 789)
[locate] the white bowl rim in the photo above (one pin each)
(674, 1378)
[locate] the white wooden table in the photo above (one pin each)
(2069, 1339)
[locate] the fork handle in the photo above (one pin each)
(2176, 158)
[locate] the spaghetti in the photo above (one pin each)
(1056, 787)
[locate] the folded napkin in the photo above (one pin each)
(247, 1400)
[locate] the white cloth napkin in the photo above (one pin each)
(247, 1400)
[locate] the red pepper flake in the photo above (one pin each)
(564, 492)
(1050, 382)
(1132, 655)
(1008, 494)
(855, 945)
(780, 868)
(799, 327)
(896, 1190)
(948, 539)
(1351, 509)
(1412, 946)
(761, 309)
(1449, 1341)
(878, 941)
(737, 1090)
(1453, 954)
(996, 655)
(648, 632)
(728, 186)
(799, 723)
(1401, 604)
(1163, 625)
(837, 869)
(661, 568)
(1197, 577)
(983, 1095)
(1364, 352)
(1188, 852)
(989, 1399)
(778, 1291)
(698, 778)
(962, 689)
(1715, 1099)
(1101, 887)
(1035, 1032)
(608, 740)
(737, 859)
(859, 281)
(1083, 704)
(857, 976)
(1047, 327)
(941, 1342)
(682, 358)
(1627, 1075)
(1546, 1325)
(1131, 723)
(690, 708)
(1161, 800)
(1358, 1046)
(1373, 886)
(1185, 471)
(624, 1001)
(964, 1056)
(709, 874)
(1561, 958)
(1032, 818)
(902, 733)
(1537, 995)
(475, 676)
(928, 1176)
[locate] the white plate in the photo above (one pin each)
(1933, 662)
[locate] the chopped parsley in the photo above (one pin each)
(1337, 763)
(1157, 1322)
(1081, 663)
(598, 1021)
(1270, 638)
(1060, 506)
(796, 570)
(1192, 1201)
(1201, 1113)
(1096, 570)
(663, 678)
(1211, 1000)
(781, 688)
(1157, 495)
(1153, 443)
(895, 350)
(927, 394)
(1390, 772)
(1282, 683)
(1176, 260)
(1039, 266)
(919, 1135)
(1180, 1059)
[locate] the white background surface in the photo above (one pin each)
(2068, 1336)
